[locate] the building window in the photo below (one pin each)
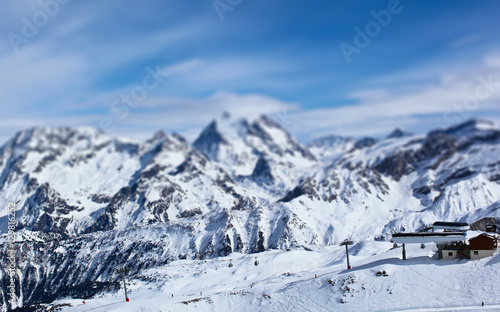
(450, 254)
(476, 253)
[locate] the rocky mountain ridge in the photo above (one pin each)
(87, 203)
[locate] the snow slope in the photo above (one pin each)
(285, 281)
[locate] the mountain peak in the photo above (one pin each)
(268, 121)
(398, 133)
(471, 125)
(62, 130)
(51, 137)
(365, 142)
(237, 143)
(160, 134)
(329, 148)
(209, 140)
(330, 141)
(225, 115)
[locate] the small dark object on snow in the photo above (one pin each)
(422, 246)
(256, 262)
(230, 264)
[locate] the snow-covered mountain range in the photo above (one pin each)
(87, 203)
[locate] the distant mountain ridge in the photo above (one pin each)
(244, 185)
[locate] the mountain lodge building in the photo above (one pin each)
(481, 246)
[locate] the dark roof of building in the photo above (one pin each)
(492, 237)
(428, 234)
(442, 223)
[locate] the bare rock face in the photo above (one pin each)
(262, 171)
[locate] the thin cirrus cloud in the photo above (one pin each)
(209, 75)
(466, 40)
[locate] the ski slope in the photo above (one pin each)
(314, 280)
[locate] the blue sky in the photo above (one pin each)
(419, 65)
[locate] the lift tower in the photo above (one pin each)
(346, 243)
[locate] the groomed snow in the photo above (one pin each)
(285, 281)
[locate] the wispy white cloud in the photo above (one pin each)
(184, 67)
(189, 116)
(376, 112)
(492, 61)
(186, 116)
(453, 99)
(466, 40)
(232, 73)
(34, 76)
